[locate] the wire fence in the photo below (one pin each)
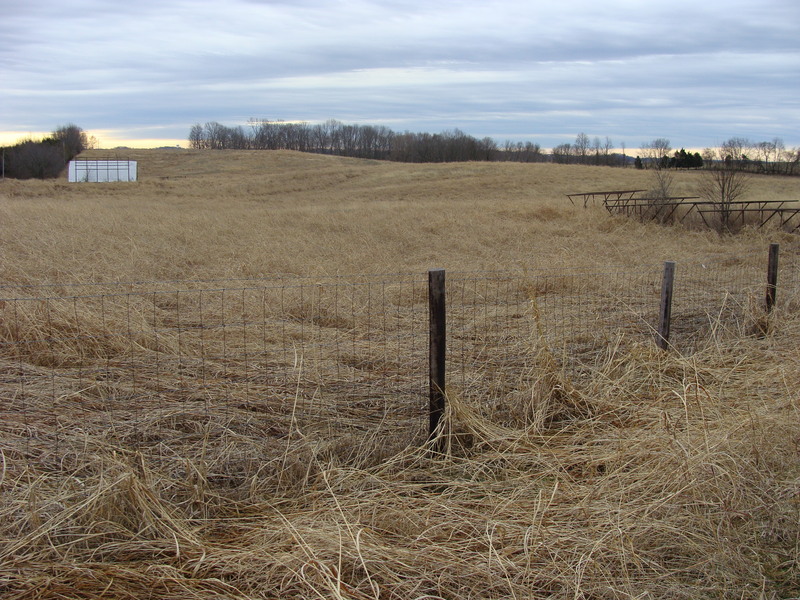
(238, 369)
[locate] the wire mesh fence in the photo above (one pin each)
(238, 369)
(234, 363)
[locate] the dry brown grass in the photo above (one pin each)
(654, 475)
(244, 214)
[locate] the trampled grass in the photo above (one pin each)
(153, 463)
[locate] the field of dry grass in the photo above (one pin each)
(650, 475)
(248, 214)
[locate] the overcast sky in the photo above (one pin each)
(141, 73)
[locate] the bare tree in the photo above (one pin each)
(725, 178)
(562, 152)
(196, 137)
(736, 149)
(73, 140)
(581, 147)
(521, 152)
(237, 138)
(487, 148)
(597, 146)
(790, 161)
(216, 135)
(608, 146)
(656, 158)
(656, 153)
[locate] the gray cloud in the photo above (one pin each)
(694, 72)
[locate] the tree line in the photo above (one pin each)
(360, 141)
(46, 158)
(382, 143)
(737, 153)
(589, 151)
(770, 157)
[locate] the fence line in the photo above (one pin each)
(243, 368)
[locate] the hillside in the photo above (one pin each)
(214, 385)
(244, 214)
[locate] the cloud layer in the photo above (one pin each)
(697, 73)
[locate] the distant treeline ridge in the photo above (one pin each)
(361, 141)
(380, 142)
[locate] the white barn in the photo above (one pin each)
(89, 170)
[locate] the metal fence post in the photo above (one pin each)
(437, 348)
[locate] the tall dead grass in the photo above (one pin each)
(200, 215)
(653, 475)
(661, 477)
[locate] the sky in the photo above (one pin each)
(141, 73)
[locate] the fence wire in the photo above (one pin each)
(158, 369)
(238, 368)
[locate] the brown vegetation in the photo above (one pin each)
(652, 475)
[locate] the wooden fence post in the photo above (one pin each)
(772, 276)
(665, 314)
(437, 348)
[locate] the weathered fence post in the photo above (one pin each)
(772, 276)
(437, 348)
(665, 314)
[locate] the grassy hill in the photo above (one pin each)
(232, 214)
(139, 459)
